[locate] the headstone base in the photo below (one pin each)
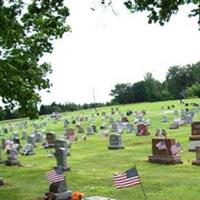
(28, 154)
(116, 147)
(193, 144)
(65, 169)
(58, 196)
(49, 146)
(165, 160)
(12, 162)
(196, 162)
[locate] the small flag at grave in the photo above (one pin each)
(176, 148)
(55, 175)
(127, 178)
(161, 145)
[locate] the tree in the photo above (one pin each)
(161, 10)
(194, 90)
(26, 34)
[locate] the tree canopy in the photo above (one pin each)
(26, 34)
(161, 10)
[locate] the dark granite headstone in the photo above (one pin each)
(164, 155)
(142, 129)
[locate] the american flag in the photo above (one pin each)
(176, 148)
(55, 175)
(161, 145)
(126, 179)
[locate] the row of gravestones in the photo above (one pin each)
(165, 155)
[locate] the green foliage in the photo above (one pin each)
(194, 90)
(26, 34)
(178, 79)
(160, 11)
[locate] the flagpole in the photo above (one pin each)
(145, 197)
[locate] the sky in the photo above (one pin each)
(105, 48)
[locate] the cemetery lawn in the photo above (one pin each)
(92, 164)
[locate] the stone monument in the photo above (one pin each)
(115, 142)
(12, 159)
(195, 137)
(162, 153)
(197, 161)
(61, 158)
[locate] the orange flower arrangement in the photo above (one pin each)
(77, 195)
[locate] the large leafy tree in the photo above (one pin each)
(27, 30)
(161, 10)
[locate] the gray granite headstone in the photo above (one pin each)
(31, 140)
(90, 130)
(115, 142)
(61, 158)
(12, 158)
(62, 143)
(28, 150)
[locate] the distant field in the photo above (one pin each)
(93, 164)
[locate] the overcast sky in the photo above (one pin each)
(104, 49)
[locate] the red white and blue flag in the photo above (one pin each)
(55, 175)
(176, 148)
(127, 178)
(161, 145)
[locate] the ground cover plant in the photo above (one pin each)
(92, 164)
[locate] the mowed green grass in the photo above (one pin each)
(92, 164)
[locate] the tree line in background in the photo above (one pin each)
(181, 82)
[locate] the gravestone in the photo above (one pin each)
(195, 137)
(124, 119)
(1, 160)
(12, 159)
(62, 143)
(28, 150)
(3, 144)
(61, 158)
(24, 135)
(142, 129)
(161, 133)
(115, 142)
(80, 129)
(197, 161)
(130, 128)
(164, 119)
(50, 140)
(58, 191)
(70, 134)
(31, 140)
(163, 155)
(90, 130)
(38, 137)
(174, 125)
